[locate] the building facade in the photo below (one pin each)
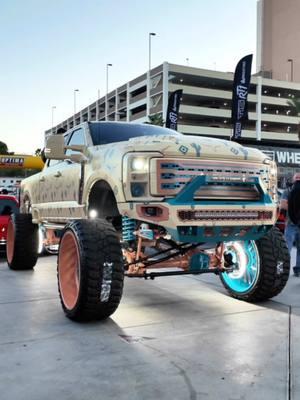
(206, 108)
(278, 38)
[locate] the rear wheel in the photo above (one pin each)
(90, 270)
(260, 268)
(22, 242)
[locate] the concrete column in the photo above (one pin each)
(127, 102)
(116, 105)
(258, 107)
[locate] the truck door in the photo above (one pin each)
(59, 185)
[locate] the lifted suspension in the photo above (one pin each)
(153, 275)
(175, 256)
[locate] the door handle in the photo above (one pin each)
(42, 179)
(58, 174)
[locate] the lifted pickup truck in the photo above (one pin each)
(145, 201)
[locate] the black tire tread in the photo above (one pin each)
(26, 243)
(272, 248)
(98, 243)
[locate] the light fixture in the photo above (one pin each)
(139, 164)
(93, 214)
(149, 39)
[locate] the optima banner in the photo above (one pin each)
(241, 84)
(173, 109)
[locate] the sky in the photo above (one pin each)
(49, 48)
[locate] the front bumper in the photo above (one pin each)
(190, 220)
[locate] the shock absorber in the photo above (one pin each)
(128, 227)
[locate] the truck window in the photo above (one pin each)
(109, 132)
(77, 137)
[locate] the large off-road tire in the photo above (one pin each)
(262, 267)
(22, 242)
(90, 270)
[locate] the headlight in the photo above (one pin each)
(136, 175)
(140, 164)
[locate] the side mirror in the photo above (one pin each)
(55, 150)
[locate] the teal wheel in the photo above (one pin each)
(246, 266)
(260, 268)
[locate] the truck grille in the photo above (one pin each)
(173, 175)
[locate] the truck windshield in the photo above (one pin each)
(110, 132)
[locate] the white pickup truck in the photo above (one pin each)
(145, 201)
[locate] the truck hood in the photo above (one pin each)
(185, 146)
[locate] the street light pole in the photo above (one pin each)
(52, 121)
(74, 118)
(149, 74)
(106, 98)
(150, 35)
(292, 68)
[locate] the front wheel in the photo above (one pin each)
(260, 268)
(90, 270)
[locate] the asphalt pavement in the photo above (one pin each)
(174, 338)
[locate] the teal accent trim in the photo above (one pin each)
(199, 261)
(196, 234)
(247, 268)
(186, 195)
(128, 227)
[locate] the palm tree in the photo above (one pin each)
(3, 148)
(295, 103)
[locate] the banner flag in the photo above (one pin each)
(240, 89)
(173, 109)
